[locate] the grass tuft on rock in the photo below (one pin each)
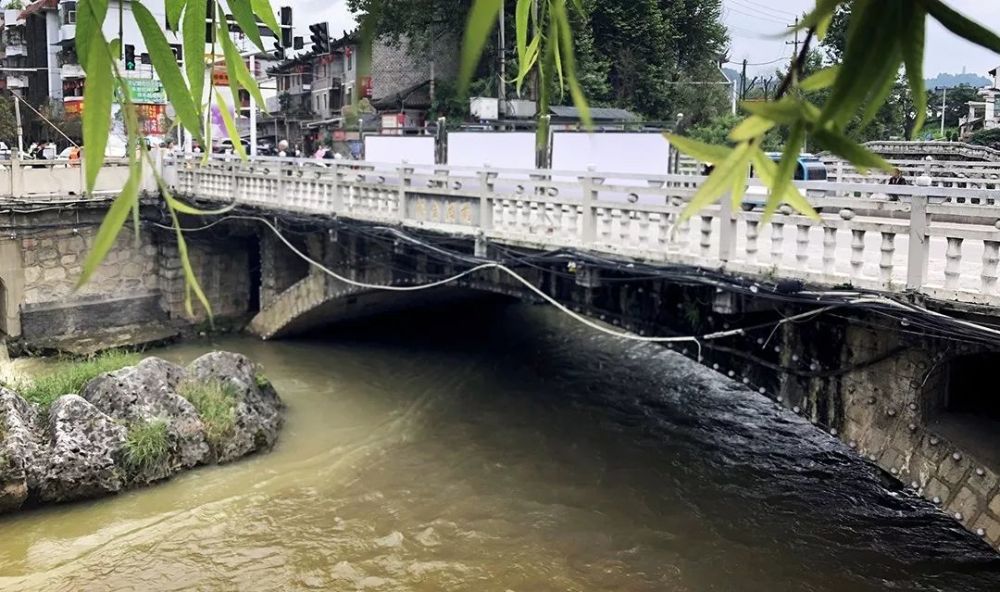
(70, 377)
(147, 446)
(216, 404)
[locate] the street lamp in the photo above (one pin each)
(944, 105)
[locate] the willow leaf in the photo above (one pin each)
(823, 12)
(112, 224)
(750, 128)
(857, 154)
(825, 78)
(566, 41)
(263, 10)
(521, 14)
(174, 10)
(739, 189)
(236, 66)
(700, 151)
(89, 20)
(194, 52)
(555, 55)
(227, 119)
(245, 19)
(786, 111)
(97, 117)
(725, 176)
(166, 67)
(961, 25)
(482, 17)
(524, 68)
(786, 168)
(913, 57)
(768, 172)
(190, 279)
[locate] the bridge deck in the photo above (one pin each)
(930, 240)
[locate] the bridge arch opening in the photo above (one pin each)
(969, 412)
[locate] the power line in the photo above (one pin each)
(774, 61)
(750, 4)
(767, 18)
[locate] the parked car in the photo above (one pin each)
(225, 146)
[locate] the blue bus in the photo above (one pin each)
(809, 168)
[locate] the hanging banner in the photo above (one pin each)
(144, 90)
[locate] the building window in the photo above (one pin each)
(69, 13)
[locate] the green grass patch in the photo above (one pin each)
(261, 380)
(146, 446)
(69, 377)
(216, 404)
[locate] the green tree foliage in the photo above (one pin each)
(8, 122)
(637, 54)
(956, 104)
(988, 138)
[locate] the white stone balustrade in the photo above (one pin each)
(921, 242)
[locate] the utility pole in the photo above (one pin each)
(502, 86)
(796, 42)
(743, 82)
(944, 107)
(253, 108)
(20, 131)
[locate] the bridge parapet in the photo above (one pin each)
(864, 238)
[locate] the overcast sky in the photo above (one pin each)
(753, 23)
(752, 26)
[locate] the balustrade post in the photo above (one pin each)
(485, 206)
(727, 229)
(916, 263)
(590, 196)
(802, 246)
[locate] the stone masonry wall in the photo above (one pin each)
(53, 263)
(886, 412)
(223, 270)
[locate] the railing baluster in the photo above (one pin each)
(991, 256)
(777, 243)
(663, 233)
(643, 230)
(885, 262)
(802, 246)
(857, 252)
(829, 250)
(753, 233)
(604, 222)
(706, 237)
(953, 263)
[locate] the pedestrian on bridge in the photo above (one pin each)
(896, 179)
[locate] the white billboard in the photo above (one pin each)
(395, 150)
(504, 150)
(638, 153)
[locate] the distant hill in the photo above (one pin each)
(953, 80)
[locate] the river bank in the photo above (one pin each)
(99, 426)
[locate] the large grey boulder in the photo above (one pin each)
(258, 408)
(148, 392)
(18, 449)
(83, 444)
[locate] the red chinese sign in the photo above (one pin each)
(366, 86)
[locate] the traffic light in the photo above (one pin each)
(178, 52)
(145, 59)
(298, 43)
(286, 26)
(320, 37)
(129, 57)
(284, 40)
